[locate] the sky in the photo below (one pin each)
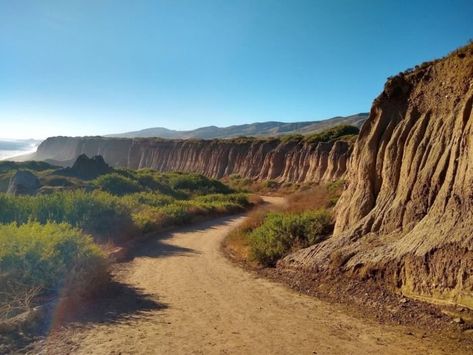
(94, 67)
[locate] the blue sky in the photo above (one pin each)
(102, 66)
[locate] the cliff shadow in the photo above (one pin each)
(115, 303)
(155, 245)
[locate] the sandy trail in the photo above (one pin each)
(180, 295)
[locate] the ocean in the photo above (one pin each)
(13, 147)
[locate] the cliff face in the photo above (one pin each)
(250, 158)
(406, 215)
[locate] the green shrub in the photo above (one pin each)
(114, 218)
(151, 215)
(282, 232)
(147, 198)
(150, 219)
(52, 258)
(332, 134)
(270, 184)
(98, 213)
(291, 138)
(27, 165)
(178, 213)
(240, 199)
(117, 184)
(197, 184)
(54, 180)
(236, 182)
(151, 182)
(335, 190)
(177, 185)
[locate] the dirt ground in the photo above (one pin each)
(179, 295)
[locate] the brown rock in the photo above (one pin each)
(249, 158)
(405, 218)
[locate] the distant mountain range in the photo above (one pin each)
(271, 128)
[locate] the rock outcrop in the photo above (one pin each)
(283, 161)
(405, 217)
(86, 168)
(23, 183)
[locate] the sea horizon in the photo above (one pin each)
(10, 148)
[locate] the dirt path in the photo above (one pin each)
(180, 295)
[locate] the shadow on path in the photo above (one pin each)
(118, 302)
(154, 245)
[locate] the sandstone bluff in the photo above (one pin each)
(405, 216)
(258, 159)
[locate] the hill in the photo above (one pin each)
(270, 128)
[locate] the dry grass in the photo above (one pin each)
(318, 197)
(236, 243)
(20, 299)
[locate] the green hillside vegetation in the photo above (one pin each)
(345, 132)
(50, 241)
(338, 132)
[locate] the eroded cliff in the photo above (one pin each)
(405, 217)
(258, 159)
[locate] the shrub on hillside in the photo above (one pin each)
(197, 184)
(270, 184)
(152, 182)
(152, 215)
(117, 184)
(147, 198)
(237, 198)
(98, 213)
(51, 258)
(54, 180)
(332, 133)
(282, 232)
(150, 219)
(177, 185)
(27, 165)
(291, 138)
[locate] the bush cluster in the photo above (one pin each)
(178, 185)
(117, 184)
(332, 134)
(154, 214)
(50, 258)
(97, 213)
(44, 239)
(280, 233)
(326, 135)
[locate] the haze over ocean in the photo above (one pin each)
(12, 148)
